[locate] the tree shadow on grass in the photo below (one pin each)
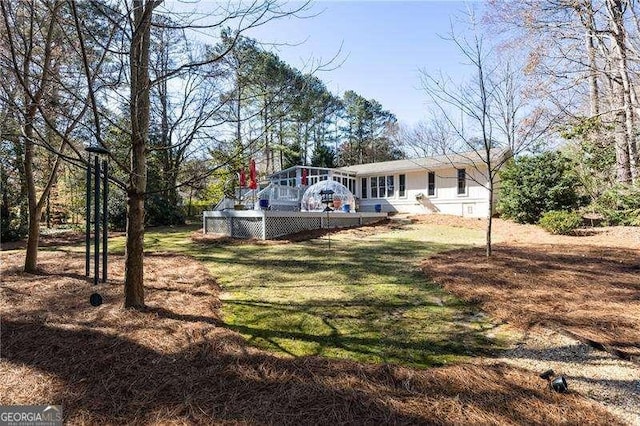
(367, 301)
(364, 329)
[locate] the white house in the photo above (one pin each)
(451, 184)
(454, 184)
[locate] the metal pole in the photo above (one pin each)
(105, 218)
(87, 231)
(328, 228)
(96, 220)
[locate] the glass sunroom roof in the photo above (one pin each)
(312, 199)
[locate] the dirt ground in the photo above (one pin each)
(176, 363)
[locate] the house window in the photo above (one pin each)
(374, 187)
(364, 188)
(390, 187)
(431, 186)
(402, 191)
(462, 181)
(382, 186)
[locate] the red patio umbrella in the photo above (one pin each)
(253, 183)
(243, 178)
(303, 180)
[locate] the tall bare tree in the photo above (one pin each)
(626, 153)
(134, 20)
(489, 117)
(586, 51)
(34, 36)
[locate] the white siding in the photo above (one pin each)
(474, 203)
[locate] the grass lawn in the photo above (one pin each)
(363, 299)
(181, 361)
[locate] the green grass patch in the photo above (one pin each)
(363, 299)
(176, 239)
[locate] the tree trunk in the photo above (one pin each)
(134, 256)
(238, 108)
(269, 167)
(491, 176)
(305, 148)
(489, 248)
(624, 133)
(281, 144)
(31, 257)
(594, 92)
(140, 116)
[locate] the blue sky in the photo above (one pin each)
(384, 44)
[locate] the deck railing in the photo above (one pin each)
(268, 224)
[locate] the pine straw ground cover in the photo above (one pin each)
(176, 363)
(587, 286)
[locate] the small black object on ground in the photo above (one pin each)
(95, 299)
(558, 384)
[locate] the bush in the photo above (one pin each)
(619, 205)
(560, 222)
(531, 186)
(10, 229)
(158, 212)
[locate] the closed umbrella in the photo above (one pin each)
(253, 183)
